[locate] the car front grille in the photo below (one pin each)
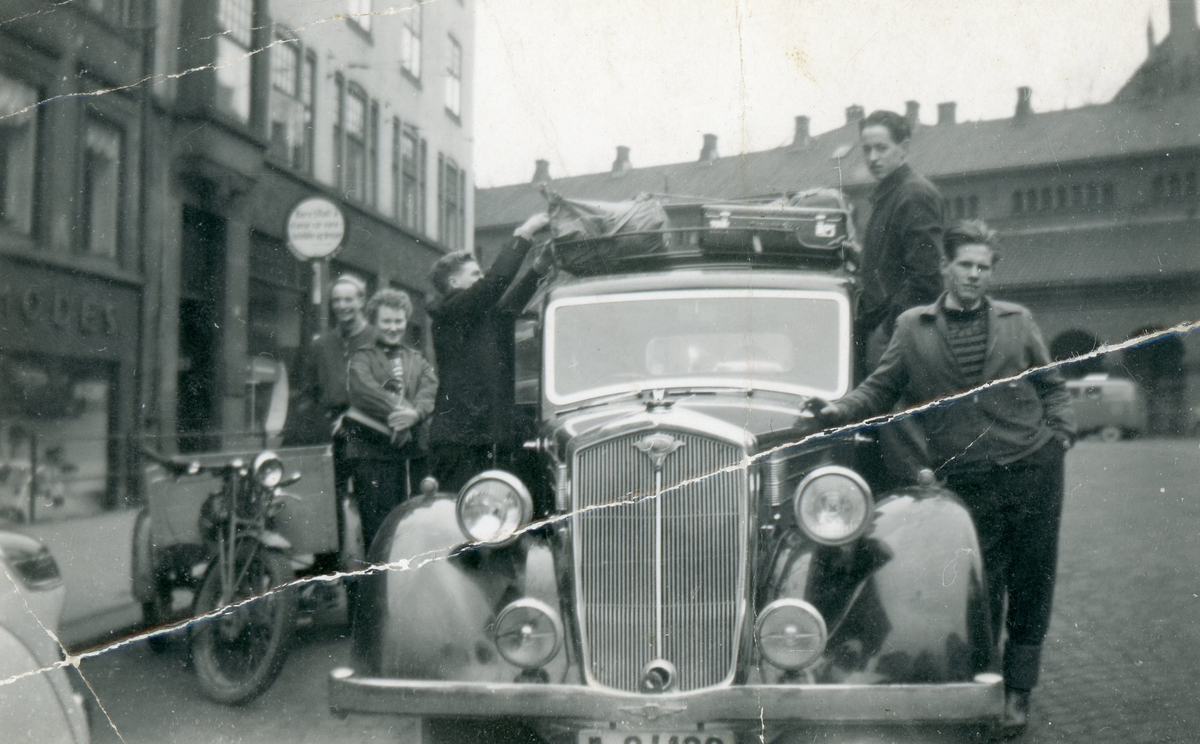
(660, 576)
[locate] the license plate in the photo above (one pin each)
(710, 736)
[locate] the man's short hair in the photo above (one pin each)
(394, 298)
(898, 126)
(968, 232)
(446, 267)
(353, 281)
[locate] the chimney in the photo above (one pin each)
(708, 154)
(1024, 104)
(541, 171)
(1183, 16)
(621, 165)
(912, 112)
(948, 113)
(802, 138)
(854, 114)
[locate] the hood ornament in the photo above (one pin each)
(657, 447)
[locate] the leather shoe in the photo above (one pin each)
(1016, 713)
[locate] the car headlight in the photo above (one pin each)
(493, 506)
(791, 633)
(528, 633)
(268, 469)
(833, 505)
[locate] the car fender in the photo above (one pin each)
(38, 707)
(427, 611)
(907, 603)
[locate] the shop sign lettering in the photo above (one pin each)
(59, 308)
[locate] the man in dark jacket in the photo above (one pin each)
(473, 340)
(1000, 449)
(903, 240)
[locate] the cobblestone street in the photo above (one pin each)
(1120, 662)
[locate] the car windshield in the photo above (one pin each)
(790, 341)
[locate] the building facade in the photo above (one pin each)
(150, 153)
(1096, 206)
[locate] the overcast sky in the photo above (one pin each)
(569, 80)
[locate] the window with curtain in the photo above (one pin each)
(410, 42)
(235, 19)
(293, 74)
(18, 151)
(102, 188)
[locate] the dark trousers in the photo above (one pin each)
(455, 464)
(379, 486)
(1017, 509)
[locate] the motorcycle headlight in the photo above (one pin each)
(493, 506)
(528, 633)
(833, 505)
(791, 633)
(268, 469)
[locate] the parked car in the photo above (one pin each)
(1111, 407)
(682, 565)
(42, 707)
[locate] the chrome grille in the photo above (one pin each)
(674, 562)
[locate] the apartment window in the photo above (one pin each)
(18, 149)
(1174, 186)
(451, 203)
(409, 168)
(360, 14)
(293, 75)
(235, 18)
(960, 207)
(1018, 202)
(1077, 195)
(101, 188)
(354, 166)
(973, 206)
(1107, 194)
(372, 195)
(1047, 199)
(1031, 200)
(1061, 197)
(410, 42)
(1189, 183)
(454, 79)
(1093, 194)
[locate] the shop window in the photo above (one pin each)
(410, 42)
(409, 168)
(293, 75)
(55, 437)
(451, 207)
(360, 14)
(102, 188)
(454, 80)
(235, 19)
(18, 149)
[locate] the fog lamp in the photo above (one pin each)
(268, 469)
(791, 633)
(528, 633)
(833, 505)
(493, 506)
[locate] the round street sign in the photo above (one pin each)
(315, 228)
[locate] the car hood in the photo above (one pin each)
(762, 419)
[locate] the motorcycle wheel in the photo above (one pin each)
(240, 653)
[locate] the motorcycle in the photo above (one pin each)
(245, 608)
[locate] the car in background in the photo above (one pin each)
(1111, 407)
(41, 708)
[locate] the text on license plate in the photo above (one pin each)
(655, 737)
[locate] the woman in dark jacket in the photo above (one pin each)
(392, 390)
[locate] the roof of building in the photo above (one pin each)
(939, 151)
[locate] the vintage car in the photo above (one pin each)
(690, 562)
(1109, 407)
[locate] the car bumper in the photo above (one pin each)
(963, 702)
